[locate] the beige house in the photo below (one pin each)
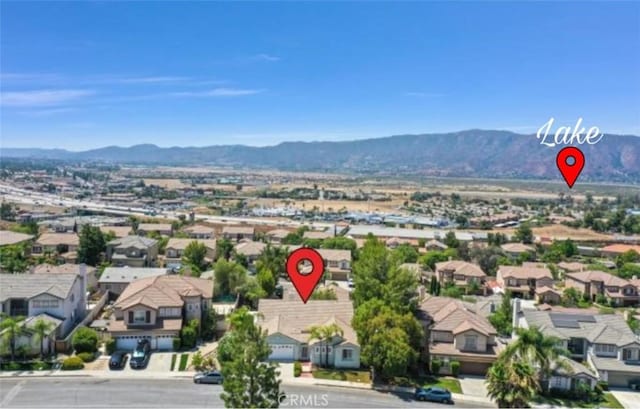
(455, 333)
(337, 262)
(199, 231)
(460, 273)
(89, 271)
(55, 243)
(116, 279)
(523, 280)
(118, 231)
(432, 245)
(316, 235)
(175, 249)
(8, 238)
(515, 249)
(164, 229)
(250, 249)
(548, 295)
(133, 251)
(276, 236)
(237, 233)
(155, 308)
(619, 291)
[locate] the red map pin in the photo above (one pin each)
(570, 172)
(305, 283)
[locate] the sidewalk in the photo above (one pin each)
(143, 374)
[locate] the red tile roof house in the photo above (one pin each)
(617, 249)
(455, 333)
(459, 273)
(524, 280)
(617, 290)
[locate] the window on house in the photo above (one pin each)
(470, 342)
(139, 317)
(45, 304)
(347, 354)
(605, 349)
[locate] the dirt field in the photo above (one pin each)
(561, 232)
(335, 205)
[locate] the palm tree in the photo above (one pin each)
(511, 384)
(42, 329)
(325, 333)
(11, 328)
(540, 351)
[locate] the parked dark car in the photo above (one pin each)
(118, 360)
(208, 377)
(433, 394)
(140, 356)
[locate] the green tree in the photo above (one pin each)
(267, 281)
(431, 258)
(389, 353)
(511, 384)
(224, 249)
(249, 381)
(450, 240)
(325, 334)
(194, 255)
(85, 340)
(229, 278)
(630, 256)
(501, 319)
(370, 271)
(341, 243)
(91, 245)
(524, 233)
(7, 211)
(404, 253)
(11, 328)
(13, 258)
(273, 259)
(41, 328)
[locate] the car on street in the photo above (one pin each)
(433, 394)
(141, 354)
(208, 377)
(118, 360)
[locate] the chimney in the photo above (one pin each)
(516, 312)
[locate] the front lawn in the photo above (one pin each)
(184, 358)
(608, 401)
(447, 382)
(342, 375)
(173, 361)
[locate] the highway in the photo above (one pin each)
(17, 195)
(84, 392)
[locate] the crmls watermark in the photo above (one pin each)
(302, 400)
(565, 136)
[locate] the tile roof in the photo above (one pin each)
(129, 274)
(137, 242)
(237, 230)
(317, 235)
(606, 278)
(181, 244)
(250, 248)
(545, 289)
(461, 267)
(278, 233)
(53, 239)
(526, 272)
(30, 285)
(8, 237)
(335, 254)
(199, 229)
(154, 226)
(516, 248)
(450, 314)
(620, 248)
(119, 231)
(163, 291)
(572, 266)
(60, 269)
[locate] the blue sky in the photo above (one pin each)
(80, 75)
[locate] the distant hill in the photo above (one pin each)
(472, 153)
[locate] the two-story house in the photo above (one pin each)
(237, 233)
(523, 281)
(175, 250)
(277, 235)
(164, 229)
(460, 273)
(288, 322)
(337, 263)
(116, 279)
(593, 283)
(155, 308)
(251, 250)
(62, 296)
(516, 249)
(454, 332)
(604, 341)
(89, 271)
(200, 232)
(133, 251)
(62, 245)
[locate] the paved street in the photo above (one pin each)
(84, 392)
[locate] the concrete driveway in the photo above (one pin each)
(473, 385)
(627, 398)
(160, 362)
(286, 371)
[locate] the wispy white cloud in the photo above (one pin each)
(218, 92)
(44, 112)
(147, 80)
(419, 94)
(43, 97)
(266, 57)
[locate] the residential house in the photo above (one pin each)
(571, 267)
(276, 236)
(618, 291)
(604, 341)
(164, 229)
(62, 296)
(155, 308)
(9, 238)
(548, 295)
(28, 337)
(117, 231)
(516, 249)
(337, 263)
(175, 250)
(423, 276)
(133, 251)
(435, 245)
(63, 245)
(394, 242)
(88, 271)
(317, 235)
(618, 249)
(456, 333)
(569, 378)
(251, 250)
(288, 324)
(199, 231)
(460, 273)
(116, 279)
(237, 233)
(523, 280)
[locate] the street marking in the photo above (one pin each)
(12, 394)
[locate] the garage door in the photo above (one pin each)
(165, 342)
(474, 368)
(128, 343)
(621, 379)
(281, 352)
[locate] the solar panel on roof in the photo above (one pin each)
(572, 317)
(565, 324)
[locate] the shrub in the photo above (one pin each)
(197, 361)
(85, 340)
(601, 299)
(176, 343)
(604, 385)
(297, 369)
(435, 366)
(86, 356)
(11, 366)
(189, 336)
(110, 346)
(455, 368)
(72, 363)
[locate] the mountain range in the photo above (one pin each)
(472, 153)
